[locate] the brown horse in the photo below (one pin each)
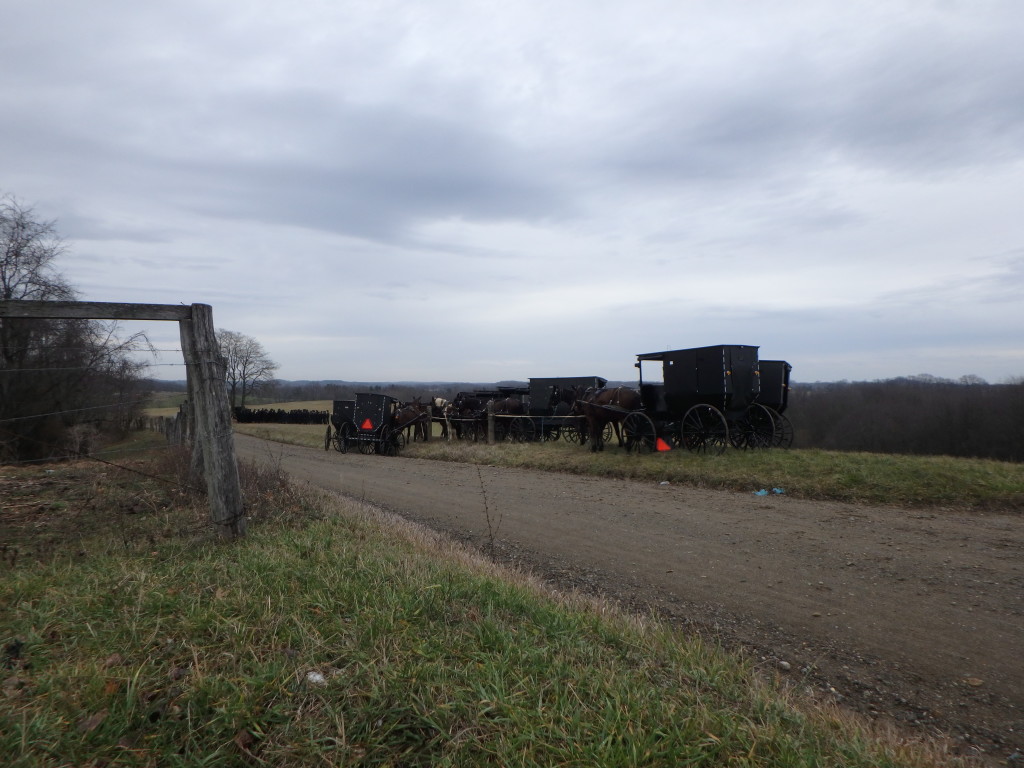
(413, 416)
(508, 406)
(606, 406)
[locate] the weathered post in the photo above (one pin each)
(212, 416)
(490, 422)
(212, 420)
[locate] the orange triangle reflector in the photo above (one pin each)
(367, 424)
(661, 445)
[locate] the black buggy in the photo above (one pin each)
(775, 397)
(343, 422)
(366, 423)
(709, 398)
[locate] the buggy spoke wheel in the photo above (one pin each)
(342, 438)
(783, 437)
(704, 430)
(392, 443)
(608, 432)
(754, 429)
(762, 427)
(552, 433)
(570, 434)
(638, 432)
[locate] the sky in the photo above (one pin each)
(483, 191)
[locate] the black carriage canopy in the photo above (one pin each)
(726, 376)
(374, 411)
(731, 372)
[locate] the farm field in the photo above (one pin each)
(910, 614)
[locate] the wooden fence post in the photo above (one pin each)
(213, 434)
(210, 419)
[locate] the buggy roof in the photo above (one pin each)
(674, 353)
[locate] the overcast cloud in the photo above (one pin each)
(485, 191)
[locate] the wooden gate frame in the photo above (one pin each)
(205, 368)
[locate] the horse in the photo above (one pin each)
(411, 418)
(507, 406)
(606, 406)
(442, 409)
(468, 411)
(562, 400)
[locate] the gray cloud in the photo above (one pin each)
(555, 188)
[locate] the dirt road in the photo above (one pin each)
(916, 616)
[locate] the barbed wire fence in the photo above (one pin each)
(205, 424)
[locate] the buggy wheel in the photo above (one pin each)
(522, 430)
(392, 444)
(754, 429)
(528, 430)
(639, 432)
(367, 447)
(552, 433)
(704, 430)
(570, 434)
(342, 438)
(608, 432)
(783, 437)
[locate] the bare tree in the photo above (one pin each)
(56, 376)
(248, 365)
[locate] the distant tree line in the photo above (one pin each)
(279, 416)
(321, 390)
(916, 415)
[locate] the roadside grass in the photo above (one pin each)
(337, 635)
(857, 478)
